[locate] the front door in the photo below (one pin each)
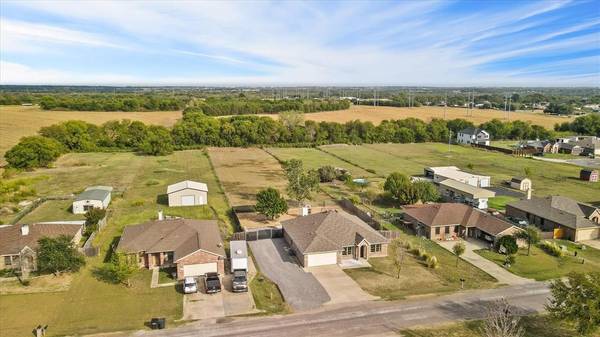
(156, 259)
(363, 252)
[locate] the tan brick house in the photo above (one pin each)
(328, 238)
(194, 247)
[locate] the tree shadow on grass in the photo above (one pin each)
(162, 199)
(104, 274)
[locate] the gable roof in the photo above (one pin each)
(93, 193)
(12, 242)
(476, 192)
(329, 231)
(519, 179)
(472, 131)
(565, 211)
(444, 214)
(181, 236)
(182, 185)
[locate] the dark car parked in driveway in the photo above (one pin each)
(212, 283)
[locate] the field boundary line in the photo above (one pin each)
(370, 170)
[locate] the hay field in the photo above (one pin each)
(313, 159)
(378, 114)
(18, 121)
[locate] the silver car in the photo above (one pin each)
(190, 285)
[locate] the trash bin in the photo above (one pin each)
(154, 324)
(162, 323)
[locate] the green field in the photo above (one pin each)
(548, 178)
(140, 182)
(542, 266)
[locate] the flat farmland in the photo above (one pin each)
(548, 178)
(19, 121)
(426, 113)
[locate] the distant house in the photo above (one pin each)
(18, 243)
(570, 148)
(520, 183)
(457, 191)
(328, 238)
(540, 146)
(561, 217)
(441, 173)
(193, 246)
(472, 135)
(578, 145)
(92, 197)
(588, 175)
(448, 221)
(187, 193)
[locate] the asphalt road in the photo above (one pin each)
(371, 318)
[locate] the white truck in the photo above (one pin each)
(239, 265)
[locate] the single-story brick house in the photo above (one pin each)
(449, 221)
(92, 197)
(561, 217)
(327, 238)
(195, 247)
(187, 193)
(18, 243)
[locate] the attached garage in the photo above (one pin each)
(321, 259)
(588, 234)
(199, 269)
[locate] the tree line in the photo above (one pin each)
(225, 106)
(584, 125)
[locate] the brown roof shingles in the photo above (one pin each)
(12, 241)
(181, 236)
(562, 210)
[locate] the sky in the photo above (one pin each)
(428, 43)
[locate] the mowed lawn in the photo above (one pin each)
(415, 277)
(90, 305)
(548, 178)
(19, 121)
(543, 266)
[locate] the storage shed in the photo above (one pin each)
(92, 197)
(520, 183)
(187, 193)
(588, 175)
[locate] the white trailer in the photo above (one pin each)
(239, 255)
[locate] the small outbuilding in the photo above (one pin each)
(92, 197)
(187, 193)
(588, 175)
(520, 183)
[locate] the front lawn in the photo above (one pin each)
(165, 275)
(267, 296)
(416, 278)
(543, 266)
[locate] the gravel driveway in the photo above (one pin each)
(300, 289)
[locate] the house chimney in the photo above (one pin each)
(25, 230)
(529, 193)
(160, 215)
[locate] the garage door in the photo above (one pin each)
(187, 200)
(199, 269)
(588, 234)
(322, 259)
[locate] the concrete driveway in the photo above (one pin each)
(203, 306)
(502, 275)
(340, 287)
(300, 289)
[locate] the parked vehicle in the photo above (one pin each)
(239, 281)
(212, 283)
(190, 285)
(239, 255)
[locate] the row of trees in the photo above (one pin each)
(584, 125)
(244, 106)
(113, 102)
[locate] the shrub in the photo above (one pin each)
(509, 243)
(354, 199)
(432, 262)
(327, 173)
(552, 248)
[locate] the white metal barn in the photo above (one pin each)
(187, 193)
(92, 197)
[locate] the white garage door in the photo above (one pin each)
(187, 200)
(199, 269)
(322, 259)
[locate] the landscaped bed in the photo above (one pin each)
(543, 266)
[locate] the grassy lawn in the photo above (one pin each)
(542, 266)
(267, 296)
(548, 178)
(561, 156)
(90, 305)
(500, 202)
(165, 275)
(52, 210)
(535, 326)
(415, 278)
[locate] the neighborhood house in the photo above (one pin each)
(563, 217)
(473, 136)
(18, 243)
(588, 175)
(457, 191)
(193, 246)
(92, 197)
(441, 173)
(449, 221)
(331, 237)
(187, 193)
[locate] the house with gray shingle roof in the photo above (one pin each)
(328, 238)
(564, 217)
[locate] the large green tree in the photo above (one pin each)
(270, 203)
(34, 151)
(301, 183)
(57, 255)
(158, 142)
(577, 300)
(531, 234)
(399, 186)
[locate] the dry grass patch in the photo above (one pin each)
(40, 284)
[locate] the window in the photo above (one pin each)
(455, 229)
(376, 248)
(8, 261)
(447, 229)
(168, 257)
(347, 250)
(437, 230)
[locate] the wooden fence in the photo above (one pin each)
(258, 234)
(390, 235)
(349, 207)
(528, 152)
